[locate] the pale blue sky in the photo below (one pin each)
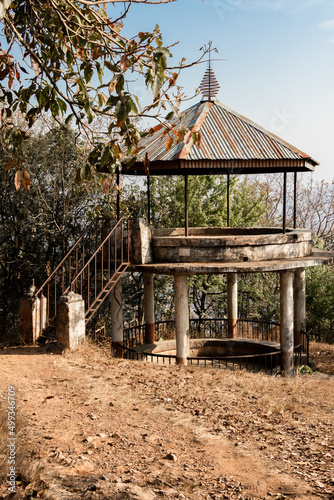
(279, 67)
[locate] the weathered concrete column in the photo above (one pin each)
(149, 308)
(116, 313)
(181, 318)
(299, 305)
(286, 321)
(232, 305)
(30, 316)
(70, 322)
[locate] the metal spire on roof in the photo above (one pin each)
(209, 85)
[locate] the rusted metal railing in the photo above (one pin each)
(206, 328)
(270, 362)
(91, 268)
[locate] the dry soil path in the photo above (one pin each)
(91, 426)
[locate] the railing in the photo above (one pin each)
(101, 252)
(217, 328)
(270, 362)
(104, 268)
(205, 328)
(305, 346)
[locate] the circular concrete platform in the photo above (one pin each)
(215, 244)
(317, 258)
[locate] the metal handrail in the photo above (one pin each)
(76, 244)
(95, 253)
(72, 267)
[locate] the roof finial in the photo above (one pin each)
(209, 84)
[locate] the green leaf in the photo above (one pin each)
(62, 105)
(88, 72)
(163, 50)
(169, 116)
(133, 106)
(120, 84)
(99, 72)
(121, 111)
(113, 67)
(156, 87)
(54, 108)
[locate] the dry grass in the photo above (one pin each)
(323, 355)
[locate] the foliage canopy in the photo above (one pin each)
(77, 64)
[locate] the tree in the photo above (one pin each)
(77, 64)
(38, 226)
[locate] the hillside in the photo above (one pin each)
(94, 427)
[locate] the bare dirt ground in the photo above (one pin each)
(90, 426)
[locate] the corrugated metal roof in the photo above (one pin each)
(228, 140)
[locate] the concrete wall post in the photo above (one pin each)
(232, 305)
(30, 316)
(181, 318)
(116, 313)
(299, 305)
(149, 308)
(286, 321)
(70, 321)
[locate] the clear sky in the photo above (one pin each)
(279, 68)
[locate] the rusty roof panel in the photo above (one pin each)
(227, 138)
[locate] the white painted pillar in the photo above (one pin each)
(70, 321)
(232, 305)
(299, 305)
(116, 312)
(181, 318)
(286, 321)
(149, 308)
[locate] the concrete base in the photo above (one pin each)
(30, 317)
(70, 327)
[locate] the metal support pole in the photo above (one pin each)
(118, 195)
(228, 200)
(295, 202)
(284, 203)
(186, 205)
(148, 201)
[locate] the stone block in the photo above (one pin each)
(141, 239)
(30, 317)
(71, 320)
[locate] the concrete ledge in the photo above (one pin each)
(230, 244)
(317, 258)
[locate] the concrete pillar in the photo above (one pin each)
(286, 321)
(116, 312)
(70, 322)
(232, 305)
(299, 305)
(181, 318)
(30, 316)
(149, 308)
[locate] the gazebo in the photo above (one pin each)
(229, 144)
(218, 141)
